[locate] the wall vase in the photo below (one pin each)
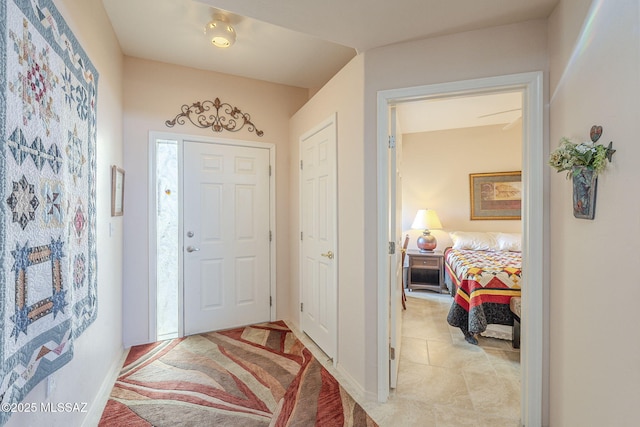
(585, 182)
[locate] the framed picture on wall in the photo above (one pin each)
(117, 191)
(496, 195)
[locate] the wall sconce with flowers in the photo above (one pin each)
(583, 161)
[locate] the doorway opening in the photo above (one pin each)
(439, 143)
(167, 233)
(534, 209)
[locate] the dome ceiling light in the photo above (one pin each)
(220, 32)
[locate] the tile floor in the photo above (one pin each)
(443, 381)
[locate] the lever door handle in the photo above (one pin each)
(328, 255)
(192, 249)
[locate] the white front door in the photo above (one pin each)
(319, 246)
(226, 236)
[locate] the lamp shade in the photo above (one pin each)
(426, 219)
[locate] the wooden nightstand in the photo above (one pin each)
(426, 271)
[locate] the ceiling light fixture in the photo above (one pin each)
(220, 32)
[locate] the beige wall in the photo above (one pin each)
(594, 348)
(155, 92)
(491, 52)
(444, 185)
(342, 95)
(98, 350)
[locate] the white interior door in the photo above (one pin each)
(395, 235)
(226, 236)
(318, 234)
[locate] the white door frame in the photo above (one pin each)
(535, 214)
(395, 233)
(153, 136)
(331, 120)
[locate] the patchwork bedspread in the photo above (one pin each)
(485, 282)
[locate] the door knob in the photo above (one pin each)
(192, 249)
(328, 255)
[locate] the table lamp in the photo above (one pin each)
(426, 219)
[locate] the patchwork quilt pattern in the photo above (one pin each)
(485, 282)
(48, 90)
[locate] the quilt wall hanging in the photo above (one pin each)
(48, 90)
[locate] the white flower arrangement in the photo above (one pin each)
(590, 155)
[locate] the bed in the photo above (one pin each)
(483, 272)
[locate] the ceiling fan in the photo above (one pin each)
(509, 125)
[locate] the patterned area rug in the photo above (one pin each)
(259, 375)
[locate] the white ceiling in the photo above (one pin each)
(460, 112)
(304, 43)
(366, 24)
(172, 31)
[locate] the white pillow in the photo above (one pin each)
(509, 242)
(474, 240)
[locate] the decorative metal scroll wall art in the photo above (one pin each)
(225, 117)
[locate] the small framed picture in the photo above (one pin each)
(496, 195)
(117, 191)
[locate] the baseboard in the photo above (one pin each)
(97, 406)
(345, 379)
(371, 396)
(352, 386)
